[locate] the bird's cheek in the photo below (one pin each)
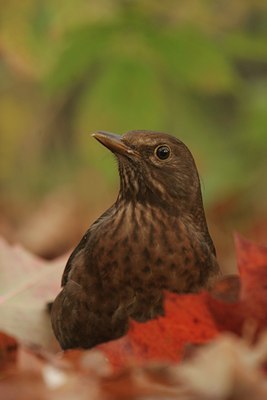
(155, 161)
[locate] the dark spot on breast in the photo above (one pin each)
(137, 280)
(146, 269)
(159, 261)
(128, 281)
(184, 273)
(115, 244)
(126, 259)
(170, 250)
(110, 252)
(187, 260)
(189, 283)
(152, 285)
(125, 241)
(146, 253)
(97, 287)
(164, 238)
(184, 250)
(114, 264)
(107, 266)
(97, 312)
(161, 281)
(172, 266)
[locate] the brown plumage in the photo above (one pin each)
(153, 238)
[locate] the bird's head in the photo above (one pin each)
(154, 167)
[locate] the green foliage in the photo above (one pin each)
(194, 72)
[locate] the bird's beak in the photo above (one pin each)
(114, 143)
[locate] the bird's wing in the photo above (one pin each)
(69, 264)
(82, 245)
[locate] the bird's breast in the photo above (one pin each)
(142, 247)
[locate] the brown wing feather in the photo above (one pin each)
(69, 264)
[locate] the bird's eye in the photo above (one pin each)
(163, 152)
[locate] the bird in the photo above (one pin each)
(154, 238)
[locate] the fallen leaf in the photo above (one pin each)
(187, 320)
(251, 305)
(27, 283)
(191, 319)
(145, 359)
(228, 368)
(41, 375)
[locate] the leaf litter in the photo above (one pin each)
(207, 346)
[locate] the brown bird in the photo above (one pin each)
(153, 238)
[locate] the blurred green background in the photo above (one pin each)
(195, 69)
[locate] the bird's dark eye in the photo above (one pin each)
(163, 152)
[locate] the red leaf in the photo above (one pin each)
(252, 265)
(187, 320)
(252, 303)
